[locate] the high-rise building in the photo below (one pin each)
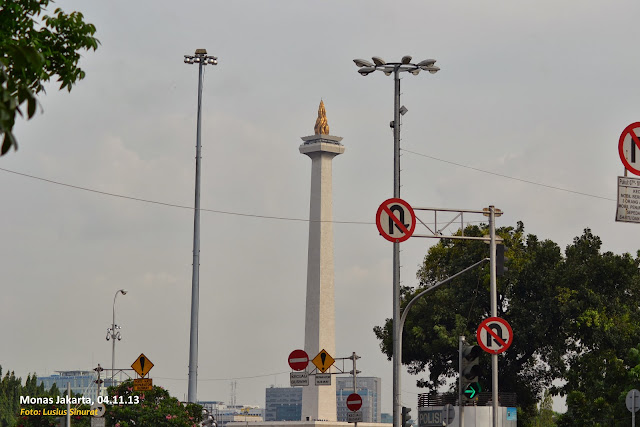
(283, 404)
(369, 389)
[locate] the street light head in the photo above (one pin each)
(123, 291)
(426, 63)
(187, 59)
(363, 63)
(366, 70)
(433, 70)
(406, 59)
(378, 61)
(415, 72)
(387, 73)
(213, 60)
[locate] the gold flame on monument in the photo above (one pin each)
(322, 126)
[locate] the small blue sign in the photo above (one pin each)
(512, 414)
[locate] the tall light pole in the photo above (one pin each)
(201, 58)
(396, 68)
(113, 334)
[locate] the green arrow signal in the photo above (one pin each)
(472, 390)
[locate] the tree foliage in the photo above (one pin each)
(11, 388)
(155, 408)
(575, 317)
(34, 48)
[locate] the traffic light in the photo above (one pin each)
(405, 416)
(470, 370)
(500, 260)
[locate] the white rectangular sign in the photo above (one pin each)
(299, 378)
(628, 199)
(354, 417)
(98, 422)
(323, 379)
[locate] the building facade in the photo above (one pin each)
(283, 404)
(82, 383)
(369, 389)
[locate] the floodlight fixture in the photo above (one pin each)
(363, 63)
(378, 61)
(366, 70)
(433, 70)
(406, 59)
(426, 63)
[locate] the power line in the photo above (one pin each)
(137, 199)
(509, 177)
(225, 379)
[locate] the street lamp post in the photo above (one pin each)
(396, 68)
(113, 334)
(201, 58)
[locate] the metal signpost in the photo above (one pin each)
(633, 404)
(448, 414)
(494, 335)
(628, 207)
(629, 148)
(437, 233)
(395, 220)
(628, 200)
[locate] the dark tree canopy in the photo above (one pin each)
(35, 47)
(575, 318)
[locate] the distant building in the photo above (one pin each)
(225, 414)
(82, 383)
(387, 418)
(369, 389)
(283, 404)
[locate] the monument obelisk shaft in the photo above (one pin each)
(319, 402)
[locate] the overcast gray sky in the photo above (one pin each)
(535, 90)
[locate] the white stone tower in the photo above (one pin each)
(319, 403)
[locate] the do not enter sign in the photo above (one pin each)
(354, 402)
(298, 360)
(395, 220)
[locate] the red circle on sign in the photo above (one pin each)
(395, 222)
(629, 130)
(484, 326)
(298, 360)
(354, 402)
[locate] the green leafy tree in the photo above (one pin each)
(574, 318)
(11, 389)
(153, 408)
(546, 416)
(34, 48)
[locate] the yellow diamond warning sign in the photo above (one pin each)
(323, 361)
(142, 365)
